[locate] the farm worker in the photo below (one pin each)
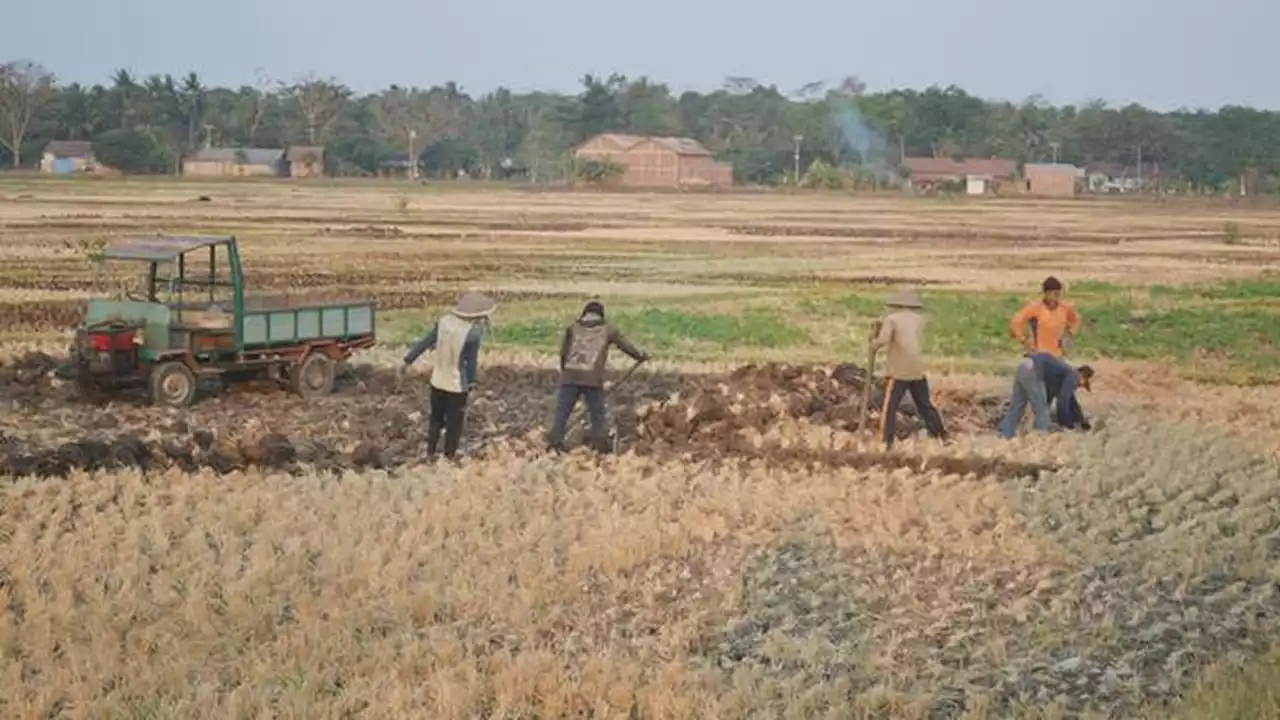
(902, 332)
(1062, 391)
(584, 350)
(1040, 378)
(455, 338)
(1053, 324)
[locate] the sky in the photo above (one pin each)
(1164, 54)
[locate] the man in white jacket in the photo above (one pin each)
(455, 338)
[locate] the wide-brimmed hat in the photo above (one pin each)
(905, 298)
(474, 305)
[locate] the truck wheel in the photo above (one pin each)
(173, 384)
(314, 376)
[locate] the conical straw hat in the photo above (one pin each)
(905, 298)
(474, 305)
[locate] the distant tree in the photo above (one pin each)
(852, 86)
(133, 151)
(500, 123)
(738, 84)
(78, 112)
(193, 104)
(317, 102)
(745, 122)
(25, 89)
(254, 100)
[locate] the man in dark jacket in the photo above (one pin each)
(1044, 378)
(584, 351)
(1061, 388)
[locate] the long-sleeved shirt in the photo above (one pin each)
(902, 331)
(584, 350)
(1060, 383)
(1046, 325)
(456, 343)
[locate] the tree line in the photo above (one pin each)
(146, 124)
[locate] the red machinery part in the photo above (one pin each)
(107, 341)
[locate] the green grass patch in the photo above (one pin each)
(1252, 289)
(1263, 287)
(1093, 287)
(668, 329)
(1223, 341)
(1228, 343)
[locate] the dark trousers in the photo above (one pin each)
(448, 411)
(919, 390)
(565, 400)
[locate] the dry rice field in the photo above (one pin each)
(747, 553)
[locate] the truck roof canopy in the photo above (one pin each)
(160, 249)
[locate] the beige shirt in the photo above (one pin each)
(902, 331)
(451, 335)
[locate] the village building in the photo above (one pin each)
(1053, 179)
(68, 157)
(236, 162)
(668, 162)
(1106, 177)
(305, 161)
(976, 175)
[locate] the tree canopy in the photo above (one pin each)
(501, 134)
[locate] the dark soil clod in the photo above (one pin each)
(716, 419)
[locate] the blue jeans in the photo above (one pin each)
(596, 405)
(1028, 388)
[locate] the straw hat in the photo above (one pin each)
(905, 298)
(474, 305)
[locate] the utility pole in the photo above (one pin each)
(413, 161)
(1055, 147)
(1139, 167)
(798, 139)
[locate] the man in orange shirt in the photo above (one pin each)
(1053, 324)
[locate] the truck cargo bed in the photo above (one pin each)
(288, 320)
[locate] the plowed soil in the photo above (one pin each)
(376, 420)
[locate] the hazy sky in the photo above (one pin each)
(1163, 53)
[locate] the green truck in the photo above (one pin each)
(191, 320)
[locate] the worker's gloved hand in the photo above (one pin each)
(402, 370)
(1068, 342)
(645, 357)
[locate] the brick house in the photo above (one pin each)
(1051, 179)
(235, 162)
(928, 172)
(669, 162)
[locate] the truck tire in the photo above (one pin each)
(313, 377)
(173, 384)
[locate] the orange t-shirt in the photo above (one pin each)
(1047, 326)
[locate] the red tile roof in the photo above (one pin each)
(948, 167)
